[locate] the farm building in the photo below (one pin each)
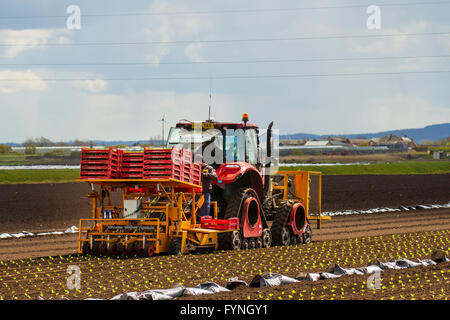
(394, 143)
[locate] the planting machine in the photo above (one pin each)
(147, 202)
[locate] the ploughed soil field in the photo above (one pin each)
(105, 277)
(37, 266)
(44, 207)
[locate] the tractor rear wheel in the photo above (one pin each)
(233, 210)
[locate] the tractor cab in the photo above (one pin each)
(219, 142)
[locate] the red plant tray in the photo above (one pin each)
(219, 224)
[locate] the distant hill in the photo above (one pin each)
(433, 132)
(103, 143)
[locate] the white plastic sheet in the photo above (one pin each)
(381, 210)
(72, 229)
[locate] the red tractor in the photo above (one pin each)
(271, 209)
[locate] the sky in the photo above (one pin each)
(311, 67)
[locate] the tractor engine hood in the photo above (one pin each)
(231, 172)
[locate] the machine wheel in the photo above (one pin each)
(281, 232)
(245, 244)
(296, 239)
(112, 249)
(175, 246)
(149, 249)
(236, 240)
(86, 248)
(266, 238)
(259, 243)
(103, 249)
(131, 249)
(140, 250)
(252, 244)
(121, 249)
(95, 248)
(307, 235)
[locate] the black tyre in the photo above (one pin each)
(245, 244)
(280, 232)
(266, 238)
(252, 244)
(175, 246)
(86, 248)
(259, 243)
(140, 250)
(307, 235)
(131, 249)
(121, 249)
(103, 249)
(95, 248)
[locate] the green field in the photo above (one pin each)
(38, 176)
(401, 167)
(50, 158)
(406, 167)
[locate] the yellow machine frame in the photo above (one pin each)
(175, 225)
(302, 188)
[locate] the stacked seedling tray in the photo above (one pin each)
(131, 165)
(163, 163)
(99, 163)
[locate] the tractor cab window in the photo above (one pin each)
(251, 146)
(210, 142)
(240, 144)
(234, 145)
(180, 137)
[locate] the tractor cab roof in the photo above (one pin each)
(216, 125)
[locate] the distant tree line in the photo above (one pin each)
(44, 142)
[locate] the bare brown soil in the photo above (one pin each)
(43, 207)
(420, 283)
(37, 266)
(104, 277)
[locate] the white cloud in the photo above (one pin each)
(402, 111)
(93, 86)
(139, 113)
(192, 52)
(27, 39)
(401, 42)
(165, 28)
(14, 81)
